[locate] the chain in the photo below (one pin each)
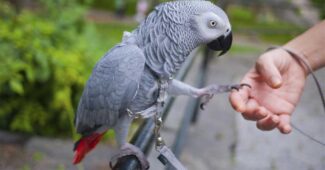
(163, 84)
(159, 140)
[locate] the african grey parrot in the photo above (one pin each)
(125, 80)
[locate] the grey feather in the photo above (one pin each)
(110, 88)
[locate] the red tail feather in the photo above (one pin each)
(84, 145)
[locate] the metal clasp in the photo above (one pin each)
(133, 115)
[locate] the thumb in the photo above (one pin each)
(269, 71)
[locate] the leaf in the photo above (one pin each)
(16, 86)
(45, 59)
(30, 74)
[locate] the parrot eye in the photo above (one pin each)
(212, 23)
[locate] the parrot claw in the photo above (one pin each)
(215, 89)
(202, 105)
(208, 92)
(239, 86)
(127, 151)
(206, 100)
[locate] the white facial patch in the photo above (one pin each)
(210, 26)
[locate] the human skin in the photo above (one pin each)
(277, 81)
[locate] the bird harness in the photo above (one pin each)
(166, 156)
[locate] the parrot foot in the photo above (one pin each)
(239, 86)
(208, 92)
(128, 150)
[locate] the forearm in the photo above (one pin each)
(312, 45)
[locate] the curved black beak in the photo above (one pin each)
(223, 44)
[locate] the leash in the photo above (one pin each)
(301, 59)
(166, 156)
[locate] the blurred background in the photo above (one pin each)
(49, 47)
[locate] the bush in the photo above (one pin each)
(45, 61)
(320, 4)
(268, 28)
(130, 5)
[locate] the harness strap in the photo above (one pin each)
(166, 155)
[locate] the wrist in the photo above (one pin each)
(311, 45)
(300, 58)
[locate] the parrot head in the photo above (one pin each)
(174, 29)
(213, 28)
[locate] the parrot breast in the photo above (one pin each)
(147, 93)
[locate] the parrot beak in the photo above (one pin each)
(223, 43)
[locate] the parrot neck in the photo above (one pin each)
(166, 38)
(165, 56)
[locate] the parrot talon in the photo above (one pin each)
(247, 85)
(206, 100)
(127, 151)
(234, 88)
(202, 105)
(240, 86)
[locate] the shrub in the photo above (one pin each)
(45, 61)
(320, 4)
(130, 5)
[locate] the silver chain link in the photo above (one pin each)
(162, 95)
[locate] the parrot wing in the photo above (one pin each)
(110, 88)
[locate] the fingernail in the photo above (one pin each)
(276, 82)
(286, 129)
(241, 108)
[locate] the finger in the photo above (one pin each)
(268, 123)
(238, 99)
(253, 111)
(268, 70)
(284, 124)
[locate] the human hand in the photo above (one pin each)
(277, 82)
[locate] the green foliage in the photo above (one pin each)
(110, 5)
(38, 156)
(320, 4)
(267, 27)
(111, 33)
(240, 15)
(244, 49)
(46, 57)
